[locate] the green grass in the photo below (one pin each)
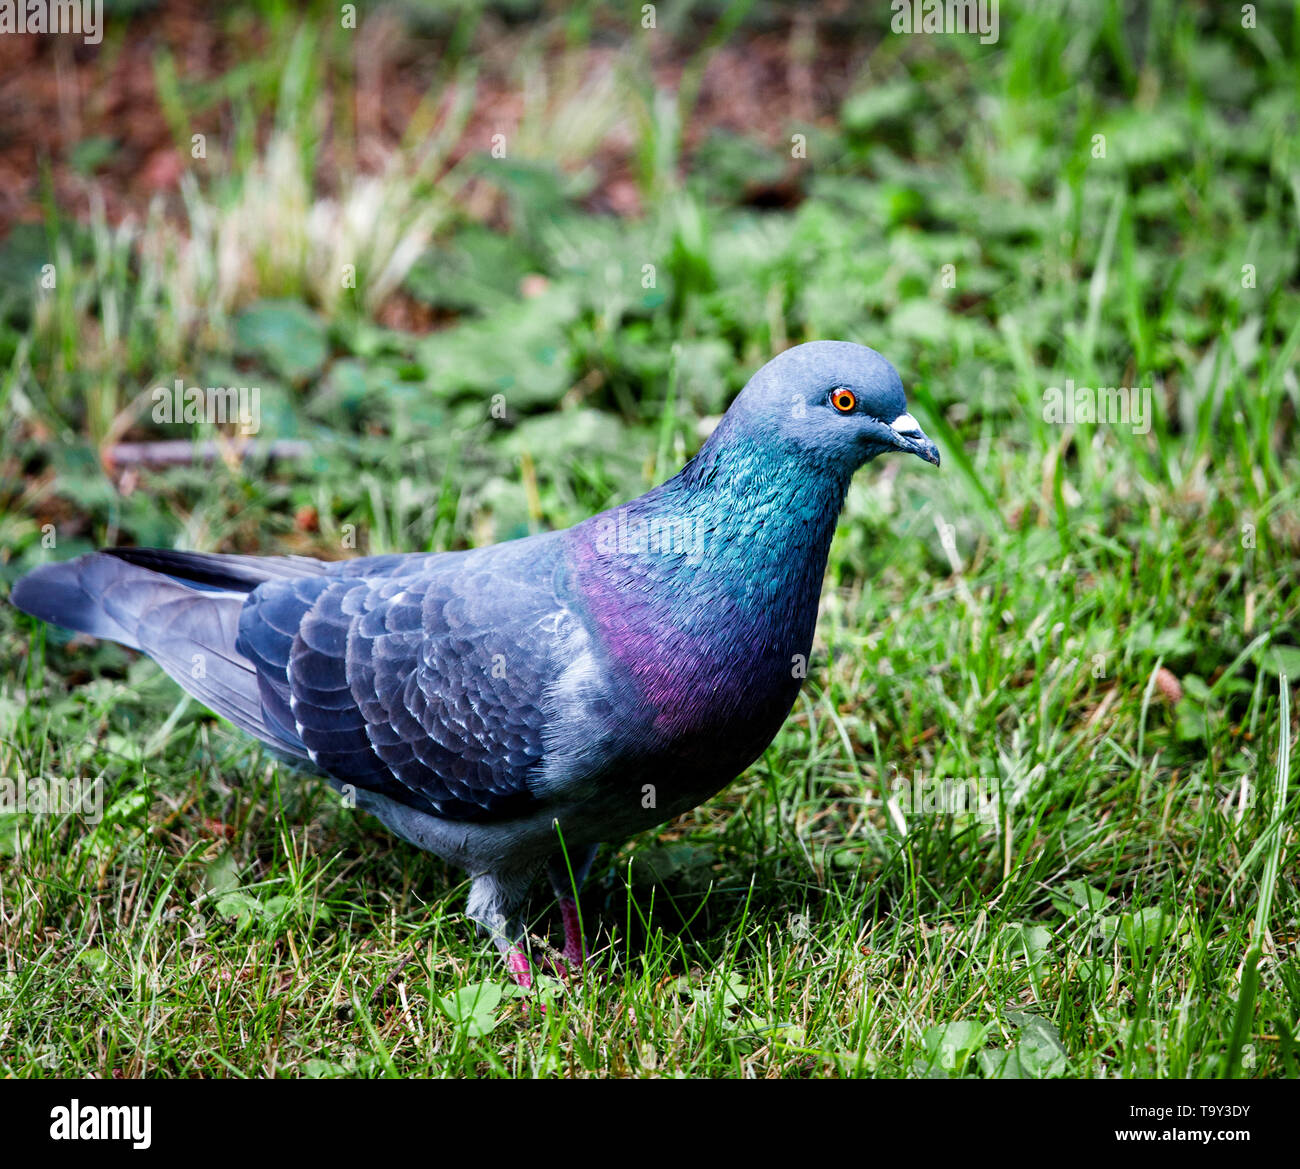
(1096, 621)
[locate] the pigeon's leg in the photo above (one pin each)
(567, 876)
(494, 901)
(517, 966)
(574, 951)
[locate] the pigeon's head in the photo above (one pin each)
(829, 403)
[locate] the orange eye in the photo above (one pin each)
(843, 400)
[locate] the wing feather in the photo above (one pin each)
(425, 678)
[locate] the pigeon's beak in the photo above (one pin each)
(910, 437)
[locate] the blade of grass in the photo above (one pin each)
(1268, 883)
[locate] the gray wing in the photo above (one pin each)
(422, 677)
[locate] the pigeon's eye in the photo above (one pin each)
(843, 400)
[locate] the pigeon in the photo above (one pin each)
(512, 707)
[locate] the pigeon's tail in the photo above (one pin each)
(180, 608)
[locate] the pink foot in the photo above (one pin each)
(574, 952)
(517, 965)
(521, 972)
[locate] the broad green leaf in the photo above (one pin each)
(950, 1045)
(473, 1007)
(286, 335)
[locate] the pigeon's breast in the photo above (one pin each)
(705, 664)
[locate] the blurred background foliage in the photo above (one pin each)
(651, 235)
